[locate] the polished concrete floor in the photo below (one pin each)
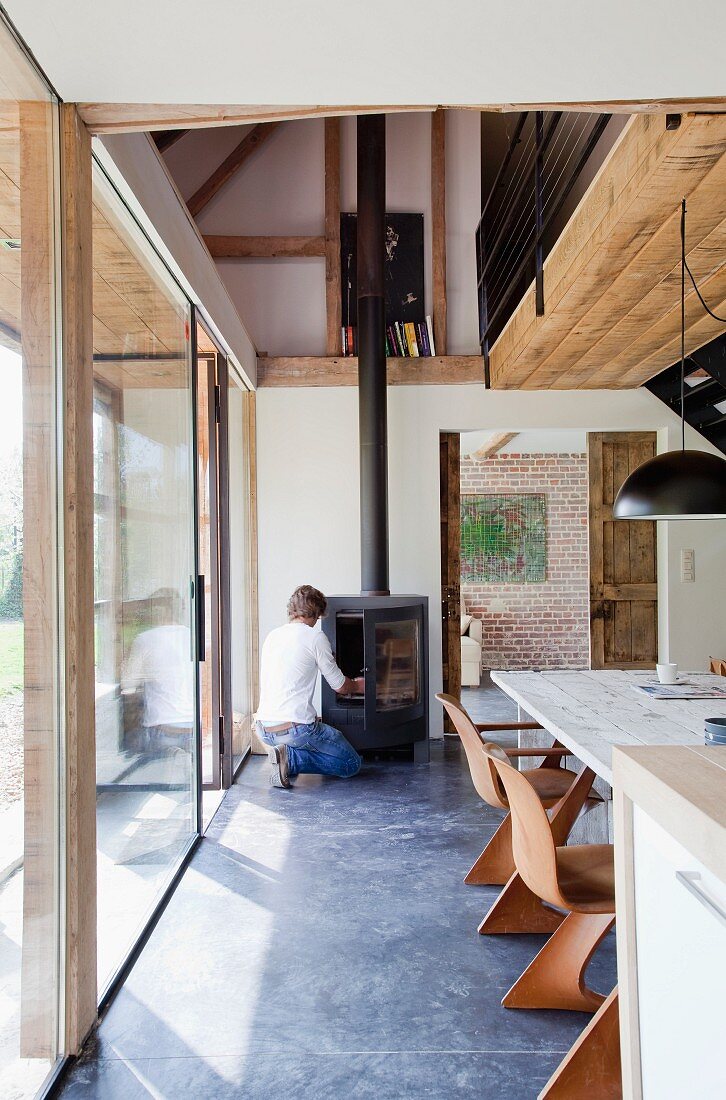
(488, 703)
(322, 945)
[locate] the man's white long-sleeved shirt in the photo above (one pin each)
(292, 656)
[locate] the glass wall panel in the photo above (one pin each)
(242, 618)
(144, 565)
(30, 759)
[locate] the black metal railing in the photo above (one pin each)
(523, 211)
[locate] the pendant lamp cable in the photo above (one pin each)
(701, 299)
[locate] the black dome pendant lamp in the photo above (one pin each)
(677, 484)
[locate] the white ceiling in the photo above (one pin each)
(375, 51)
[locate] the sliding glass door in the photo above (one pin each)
(31, 790)
(145, 578)
(225, 580)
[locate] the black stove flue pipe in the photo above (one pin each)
(372, 396)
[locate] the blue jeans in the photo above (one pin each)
(315, 749)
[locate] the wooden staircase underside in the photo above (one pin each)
(612, 280)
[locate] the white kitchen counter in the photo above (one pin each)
(670, 861)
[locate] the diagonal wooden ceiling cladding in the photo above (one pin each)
(612, 280)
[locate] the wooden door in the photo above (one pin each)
(449, 475)
(623, 578)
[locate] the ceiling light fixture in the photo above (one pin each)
(681, 484)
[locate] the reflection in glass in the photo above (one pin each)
(397, 663)
(143, 568)
(30, 788)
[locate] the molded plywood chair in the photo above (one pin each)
(718, 666)
(578, 878)
(591, 1068)
(517, 909)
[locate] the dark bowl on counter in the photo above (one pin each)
(715, 731)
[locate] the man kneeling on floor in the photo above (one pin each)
(292, 656)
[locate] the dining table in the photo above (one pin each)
(592, 710)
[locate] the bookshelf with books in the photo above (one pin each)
(404, 340)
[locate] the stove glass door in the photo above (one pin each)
(394, 690)
(397, 679)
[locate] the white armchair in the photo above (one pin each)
(471, 647)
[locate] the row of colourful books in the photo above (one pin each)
(404, 339)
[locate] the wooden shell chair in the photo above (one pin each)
(591, 1068)
(517, 909)
(578, 878)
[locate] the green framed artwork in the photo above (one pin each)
(503, 539)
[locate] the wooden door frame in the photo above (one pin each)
(217, 404)
(224, 581)
(450, 529)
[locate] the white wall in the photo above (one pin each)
(308, 497)
(463, 210)
(692, 625)
(280, 191)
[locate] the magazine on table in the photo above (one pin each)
(684, 690)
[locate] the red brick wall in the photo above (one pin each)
(537, 625)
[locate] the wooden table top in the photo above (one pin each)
(591, 711)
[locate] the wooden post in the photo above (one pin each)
(76, 192)
(251, 434)
(450, 497)
(438, 227)
(333, 309)
(38, 1019)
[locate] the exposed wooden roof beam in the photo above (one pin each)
(305, 370)
(164, 139)
(249, 144)
(263, 248)
(493, 444)
(108, 118)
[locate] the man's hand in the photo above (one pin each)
(353, 687)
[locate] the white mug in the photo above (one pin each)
(667, 673)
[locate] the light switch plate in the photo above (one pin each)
(688, 566)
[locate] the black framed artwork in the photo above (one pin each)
(404, 268)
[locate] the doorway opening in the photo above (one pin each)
(535, 573)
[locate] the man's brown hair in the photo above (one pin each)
(306, 602)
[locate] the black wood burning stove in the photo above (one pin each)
(383, 636)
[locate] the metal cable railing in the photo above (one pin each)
(546, 156)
